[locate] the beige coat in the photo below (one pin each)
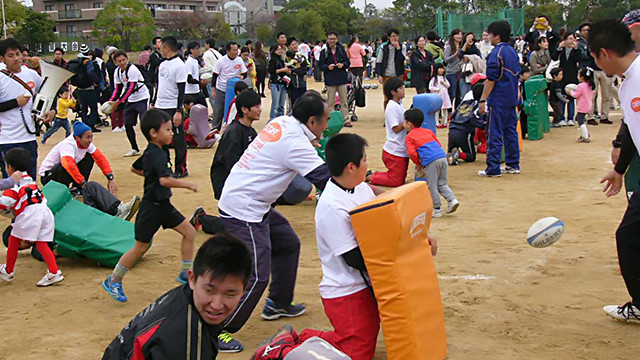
(541, 57)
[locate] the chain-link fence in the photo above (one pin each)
(476, 23)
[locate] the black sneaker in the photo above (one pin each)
(195, 218)
(271, 312)
(227, 344)
(95, 129)
(592, 122)
(180, 175)
(606, 121)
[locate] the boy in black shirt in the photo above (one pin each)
(557, 99)
(169, 328)
(235, 140)
(155, 209)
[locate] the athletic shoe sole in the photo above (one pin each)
(280, 315)
(51, 282)
(453, 208)
(193, 220)
(134, 208)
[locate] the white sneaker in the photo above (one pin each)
(127, 210)
(50, 279)
(437, 213)
(131, 153)
(453, 206)
(122, 129)
(562, 123)
(4, 275)
(115, 130)
(627, 312)
(571, 123)
(483, 173)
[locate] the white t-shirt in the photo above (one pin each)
(11, 121)
(211, 57)
(335, 237)
(134, 75)
(67, 147)
(304, 49)
(228, 69)
(630, 100)
(170, 73)
(393, 116)
(265, 170)
(316, 52)
(193, 68)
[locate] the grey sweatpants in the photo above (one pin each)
(96, 196)
(218, 108)
(437, 173)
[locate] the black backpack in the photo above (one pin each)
(145, 75)
(81, 77)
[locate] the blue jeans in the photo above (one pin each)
(571, 108)
(31, 147)
(88, 103)
(464, 87)
(278, 99)
(453, 87)
(57, 124)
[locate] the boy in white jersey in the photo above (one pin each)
(613, 50)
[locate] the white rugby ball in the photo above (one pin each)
(569, 88)
(107, 108)
(545, 232)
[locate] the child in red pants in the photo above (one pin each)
(34, 220)
(394, 153)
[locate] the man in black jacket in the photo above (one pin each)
(541, 27)
(334, 62)
(154, 60)
(185, 322)
(390, 60)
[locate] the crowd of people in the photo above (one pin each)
(481, 87)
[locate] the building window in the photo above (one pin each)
(71, 28)
(48, 8)
(69, 7)
(211, 8)
(98, 5)
(192, 8)
(183, 7)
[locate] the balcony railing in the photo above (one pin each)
(70, 14)
(70, 34)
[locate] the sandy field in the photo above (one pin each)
(531, 303)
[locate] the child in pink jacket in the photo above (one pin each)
(584, 95)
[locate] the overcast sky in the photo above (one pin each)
(380, 4)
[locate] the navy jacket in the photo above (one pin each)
(503, 67)
(335, 77)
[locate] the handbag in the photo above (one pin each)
(360, 94)
(552, 65)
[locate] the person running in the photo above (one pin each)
(187, 318)
(155, 209)
(265, 170)
(130, 89)
(172, 79)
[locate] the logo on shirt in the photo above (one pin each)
(31, 85)
(418, 224)
(271, 133)
(635, 104)
(164, 73)
(237, 66)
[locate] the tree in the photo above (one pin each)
(126, 24)
(197, 25)
(14, 13)
(338, 15)
(311, 28)
(36, 28)
(370, 11)
(264, 33)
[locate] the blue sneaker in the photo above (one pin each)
(271, 312)
(183, 277)
(228, 344)
(114, 289)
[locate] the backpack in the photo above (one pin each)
(80, 76)
(145, 74)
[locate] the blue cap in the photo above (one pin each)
(80, 128)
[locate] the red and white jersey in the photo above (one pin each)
(23, 194)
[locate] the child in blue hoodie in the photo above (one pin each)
(427, 153)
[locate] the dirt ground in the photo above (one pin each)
(532, 303)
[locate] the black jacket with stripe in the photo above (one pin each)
(169, 328)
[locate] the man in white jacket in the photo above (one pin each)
(210, 57)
